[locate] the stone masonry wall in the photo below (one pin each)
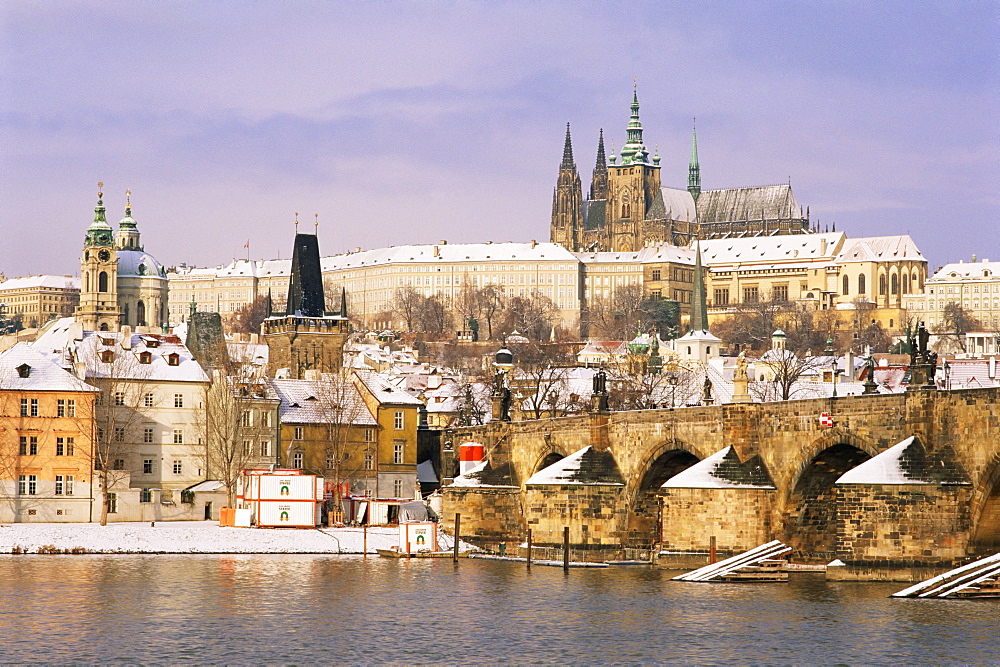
(489, 515)
(901, 524)
(737, 518)
(593, 512)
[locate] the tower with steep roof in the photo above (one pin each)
(306, 337)
(567, 201)
(98, 309)
(694, 169)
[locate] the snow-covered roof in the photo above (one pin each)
(879, 249)
(129, 362)
(385, 391)
(449, 253)
(43, 373)
(321, 401)
(41, 281)
(679, 204)
(587, 467)
(722, 470)
(806, 249)
(483, 476)
(425, 472)
(955, 271)
(139, 263)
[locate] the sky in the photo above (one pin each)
(414, 122)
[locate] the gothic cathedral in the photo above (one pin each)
(627, 207)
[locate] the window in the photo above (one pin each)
(369, 461)
(178, 436)
(247, 448)
(64, 485)
(107, 356)
(178, 400)
(60, 446)
(61, 407)
(145, 496)
(112, 501)
(398, 421)
(119, 434)
(265, 418)
(369, 435)
(265, 448)
(118, 464)
(71, 407)
(178, 468)
(750, 295)
(656, 274)
(297, 460)
(28, 447)
(847, 285)
(780, 293)
(173, 359)
(298, 432)
(397, 452)
(120, 398)
(70, 446)
(247, 418)
(27, 485)
(147, 466)
(147, 399)
(722, 297)
(22, 449)
(397, 487)
(24, 407)
(147, 434)
(145, 357)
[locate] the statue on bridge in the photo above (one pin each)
(707, 398)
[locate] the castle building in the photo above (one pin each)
(120, 283)
(628, 208)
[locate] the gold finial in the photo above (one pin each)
(317, 222)
(128, 198)
(635, 82)
(296, 222)
(100, 188)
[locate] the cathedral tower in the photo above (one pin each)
(142, 280)
(694, 170)
(98, 309)
(567, 201)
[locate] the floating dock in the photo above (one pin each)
(979, 579)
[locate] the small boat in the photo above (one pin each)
(396, 553)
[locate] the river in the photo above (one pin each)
(299, 609)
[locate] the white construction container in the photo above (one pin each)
(416, 537)
(282, 498)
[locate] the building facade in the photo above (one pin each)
(38, 299)
(975, 286)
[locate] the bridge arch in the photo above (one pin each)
(807, 508)
(547, 457)
(985, 535)
(641, 497)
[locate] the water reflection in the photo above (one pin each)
(298, 609)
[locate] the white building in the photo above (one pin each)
(975, 286)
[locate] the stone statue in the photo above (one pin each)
(923, 335)
(708, 390)
(600, 383)
(498, 383)
(741, 367)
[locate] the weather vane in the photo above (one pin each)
(296, 222)
(317, 222)
(100, 188)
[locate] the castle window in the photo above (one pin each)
(895, 284)
(861, 284)
(656, 274)
(102, 282)
(847, 285)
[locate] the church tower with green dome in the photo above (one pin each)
(98, 309)
(142, 280)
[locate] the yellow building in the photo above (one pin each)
(46, 437)
(38, 299)
(351, 426)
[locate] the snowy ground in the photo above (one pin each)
(192, 537)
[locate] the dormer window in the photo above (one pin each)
(107, 356)
(173, 359)
(24, 370)
(107, 341)
(145, 357)
(152, 342)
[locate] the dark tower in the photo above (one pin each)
(567, 201)
(599, 182)
(694, 170)
(305, 338)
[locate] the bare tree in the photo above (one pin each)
(956, 323)
(533, 315)
(347, 446)
(492, 303)
(124, 380)
(407, 305)
(751, 322)
(247, 319)
(474, 404)
(432, 315)
(540, 378)
(781, 369)
(227, 409)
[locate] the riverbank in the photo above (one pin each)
(184, 537)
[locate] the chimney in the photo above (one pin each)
(443, 242)
(437, 252)
(126, 339)
(312, 374)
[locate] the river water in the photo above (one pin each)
(298, 609)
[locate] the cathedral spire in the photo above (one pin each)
(567, 159)
(699, 311)
(599, 181)
(694, 170)
(634, 150)
(99, 232)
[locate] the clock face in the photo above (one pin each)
(104, 255)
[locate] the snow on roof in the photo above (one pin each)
(41, 281)
(879, 248)
(320, 401)
(385, 391)
(679, 204)
(717, 472)
(808, 249)
(43, 374)
(449, 252)
(957, 271)
(475, 477)
(128, 364)
(904, 463)
(586, 467)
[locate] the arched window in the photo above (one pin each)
(906, 283)
(102, 282)
(881, 285)
(86, 282)
(895, 284)
(847, 285)
(861, 284)
(125, 314)
(104, 326)
(140, 314)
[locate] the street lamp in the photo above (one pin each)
(830, 353)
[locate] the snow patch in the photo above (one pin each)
(702, 475)
(886, 468)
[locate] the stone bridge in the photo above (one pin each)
(752, 473)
